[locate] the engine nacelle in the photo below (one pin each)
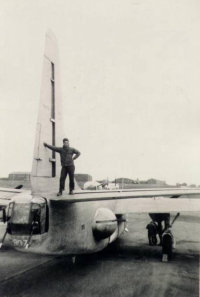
(105, 223)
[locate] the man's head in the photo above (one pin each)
(65, 142)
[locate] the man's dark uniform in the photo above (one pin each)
(67, 163)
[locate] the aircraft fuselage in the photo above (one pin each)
(55, 227)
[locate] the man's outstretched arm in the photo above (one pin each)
(51, 147)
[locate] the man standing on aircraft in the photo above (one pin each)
(67, 157)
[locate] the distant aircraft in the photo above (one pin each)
(95, 185)
(92, 185)
(40, 222)
(111, 186)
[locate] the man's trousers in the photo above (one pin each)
(64, 171)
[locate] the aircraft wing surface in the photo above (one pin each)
(6, 194)
(153, 200)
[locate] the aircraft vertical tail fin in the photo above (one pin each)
(46, 165)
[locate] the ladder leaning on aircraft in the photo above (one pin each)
(40, 222)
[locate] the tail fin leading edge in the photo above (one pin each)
(46, 165)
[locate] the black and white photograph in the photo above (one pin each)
(99, 148)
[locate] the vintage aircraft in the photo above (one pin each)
(40, 222)
(95, 185)
(92, 185)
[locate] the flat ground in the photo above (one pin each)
(127, 268)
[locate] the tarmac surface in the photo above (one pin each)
(127, 268)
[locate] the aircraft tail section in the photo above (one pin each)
(46, 163)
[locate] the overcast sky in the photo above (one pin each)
(130, 75)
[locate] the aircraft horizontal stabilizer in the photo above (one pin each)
(157, 205)
(8, 194)
(173, 200)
